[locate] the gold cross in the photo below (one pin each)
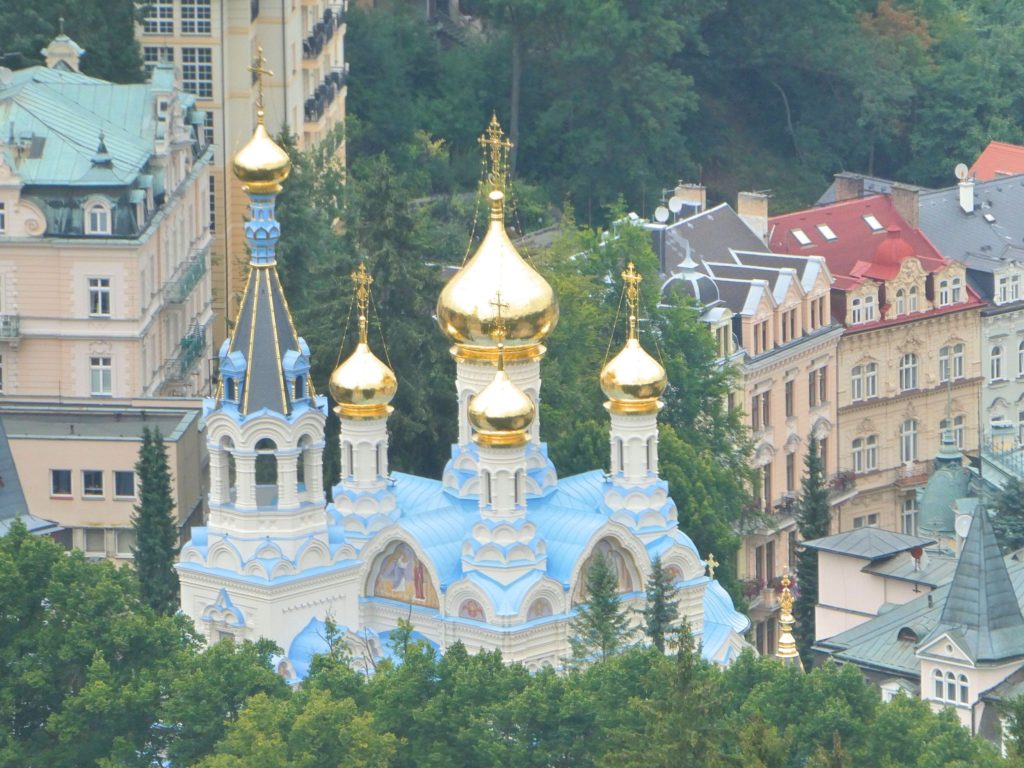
(632, 279)
(259, 70)
(363, 281)
(498, 147)
(500, 332)
(712, 563)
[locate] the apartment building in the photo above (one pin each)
(213, 44)
(104, 238)
(772, 316)
(909, 359)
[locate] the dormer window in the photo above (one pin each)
(801, 236)
(873, 224)
(955, 290)
(869, 308)
(856, 311)
(943, 293)
(97, 219)
(901, 302)
(913, 299)
(230, 389)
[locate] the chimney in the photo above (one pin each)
(967, 195)
(693, 196)
(752, 208)
(904, 200)
(848, 186)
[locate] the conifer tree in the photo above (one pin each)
(661, 611)
(601, 626)
(156, 535)
(813, 516)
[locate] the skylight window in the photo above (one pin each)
(801, 236)
(873, 223)
(990, 218)
(826, 232)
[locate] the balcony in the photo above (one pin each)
(912, 473)
(9, 328)
(324, 95)
(178, 289)
(842, 486)
(192, 348)
(323, 31)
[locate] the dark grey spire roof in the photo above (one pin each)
(12, 498)
(982, 609)
(263, 334)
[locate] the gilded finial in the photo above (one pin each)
(363, 280)
(632, 279)
(498, 147)
(259, 71)
(787, 650)
(786, 598)
(712, 564)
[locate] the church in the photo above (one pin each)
(495, 553)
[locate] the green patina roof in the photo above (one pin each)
(936, 503)
(63, 115)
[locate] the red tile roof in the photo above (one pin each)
(998, 159)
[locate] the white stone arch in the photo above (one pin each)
(464, 590)
(282, 568)
(821, 428)
(268, 549)
(224, 554)
(685, 559)
(545, 589)
(257, 569)
(765, 453)
(627, 542)
(372, 560)
(312, 554)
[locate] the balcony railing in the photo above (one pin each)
(192, 348)
(178, 289)
(9, 327)
(324, 95)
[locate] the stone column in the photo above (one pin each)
(245, 468)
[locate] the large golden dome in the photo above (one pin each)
(633, 380)
(466, 309)
(261, 164)
(502, 413)
(362, 386)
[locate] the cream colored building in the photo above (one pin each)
(211, 44)
(76, 464)
(104, 244)
(910, 354)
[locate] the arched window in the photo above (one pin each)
(266, 462)
(908, 372)
(650, 454)
(912, 299)
(347, 468)
(871, 453)
(908, 441)
(996, 363)
(299, 390)
(964, 690)
(97, 219)
(950, 687)
(871, 380)
(955, 429)
(901, 302)
(937, 676)
(488, 499)
(869, 308)
(857, 383)
(944, 369)
(943, 293)
(856, 313)
(956, 290)
(958, 361)
(619, 456)
(230, 389)
(519, 483)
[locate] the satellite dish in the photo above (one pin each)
(661, 214)
(961, 171)
(675, 204)
(963, 525)
(916, 552)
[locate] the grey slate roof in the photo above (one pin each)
(263, 334)
(934, 570)
(982, 608)
(711, 235)
(868, 543)
(12, 497)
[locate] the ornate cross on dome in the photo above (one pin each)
(632, 279)
(258, 71)
(712, 564)
(363, 280)
(498, 147)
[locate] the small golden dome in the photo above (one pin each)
(633, 380)
(363, 385)
(465, 308)
(502, 413)
(261, 164)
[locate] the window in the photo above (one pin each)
(908, 372)
(871, 380)
(963, 689)
(823, 384)
(996, 363)
(208, 137)
(908, 441)
(766, 416)
(766, 487)
(950, 687)
(951, 362)
(869, 308)
(3, 218)
(901, 302)
(124, 484)
(858, 455)
(760, 411)
(99, 296)
(956, 429)
(92, 483)
(812, 388)
(1015, 288)
(1003, 292)
(958, 361)
(158, 18)
(823, 452)
(213, 207)
(909, 515)
(826, 232)
(871, 453)
(97, 220)
(857, 383)
(764, 562)
(855, 312)
(100, 375)
(230, 389)
(95, 541)
(60, 482)
(790, 471)
(912, 299)
(197, 71)
(943, 293)
(956, 290)
(195, 17)
(801, 236)
(866, 521)
(124, 542)
(790, 408)
(944, 364)
(299, 388)
(156, 54)
(873, 224)
(937, 676)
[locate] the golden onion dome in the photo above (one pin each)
(633, 380)
(466, 310)
(501, 414)
(362, 386)
(261, 164)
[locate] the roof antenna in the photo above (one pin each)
(60, 22)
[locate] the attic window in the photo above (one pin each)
(873, 223)
(989, 218)
(908, 635)
(826, 232)
(801, 236)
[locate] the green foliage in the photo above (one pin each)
(1008, 520)
(661, 611)
(601, 625)
(156, 535)
(813, 518)
(104, 28)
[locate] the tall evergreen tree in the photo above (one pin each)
(661, 611)
(813, 516)
(156, 535)
(601, 625)
(1008, 520)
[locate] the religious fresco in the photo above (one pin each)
(674, 574)
(403, 576)
(539, 608)
(621, 562)
(472, 610)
